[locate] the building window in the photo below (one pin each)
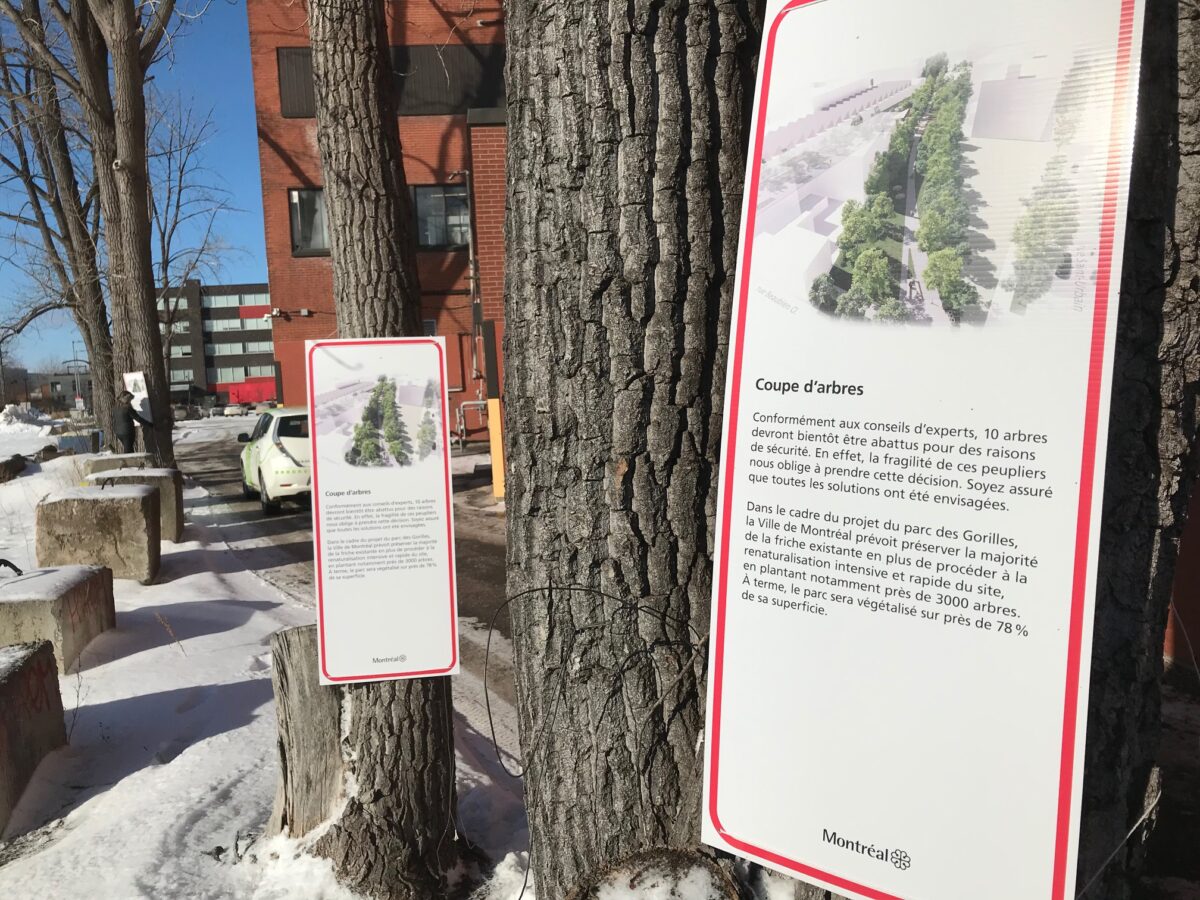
(429, 327)
(224, 349)
(219, 301)
(256, 299)
(296, 97)
(431, 79)
(172, 303)
(227, 375)
(443, 221)
(181, 376)
(258, 347)
(181, 350)
(238, 374)
(309, 234)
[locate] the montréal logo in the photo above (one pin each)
(898, 858)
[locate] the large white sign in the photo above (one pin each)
(135, 383)
(916, 412)
(383, 526)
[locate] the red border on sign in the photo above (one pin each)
(316, 511)
(1108, 220)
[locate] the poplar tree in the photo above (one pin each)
(395, 432)
(626, 153)
(380, 756)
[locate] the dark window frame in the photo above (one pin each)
(442, 186)
(297, 97)
(431, 79)
(299, 253)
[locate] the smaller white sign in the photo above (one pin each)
(135, 383)
(383, 524)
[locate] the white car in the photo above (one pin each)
(235, 409)
(275, 459)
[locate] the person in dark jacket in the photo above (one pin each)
(124, 415)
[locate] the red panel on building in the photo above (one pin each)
(252, 390)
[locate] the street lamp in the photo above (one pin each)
(77, 363)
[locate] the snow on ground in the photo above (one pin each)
(171, 767)
(23, 431)
(199, 431)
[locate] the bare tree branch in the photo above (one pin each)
(34, 37)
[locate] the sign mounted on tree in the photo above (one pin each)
(135, 383)
(383, 526)
(915, 421)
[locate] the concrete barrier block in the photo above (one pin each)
(116, 527)
(116, 461)
(67, 606)
(170, 493)
(32, 724)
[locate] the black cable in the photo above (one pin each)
(487, 700)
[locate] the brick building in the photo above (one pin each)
(449, 62)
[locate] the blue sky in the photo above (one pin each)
(210, 69)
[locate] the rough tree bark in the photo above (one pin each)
(372, 245)
(1151, 456)
(626, 156)
(395, 836)
(625, 166)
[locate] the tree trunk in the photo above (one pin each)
(395, 834)
(92, 321)
(81, 277)
(137, 341)
(90, 53)
(624, 171)
(375, 287)
(627, 152)
(1151, 460)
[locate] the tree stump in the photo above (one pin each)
(310, 756)
(375, 791)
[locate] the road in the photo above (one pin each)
(279, 548)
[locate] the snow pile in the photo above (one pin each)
(9, 657)
(509, 880)
(23, 431)
(13, 416)
(695, 883)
